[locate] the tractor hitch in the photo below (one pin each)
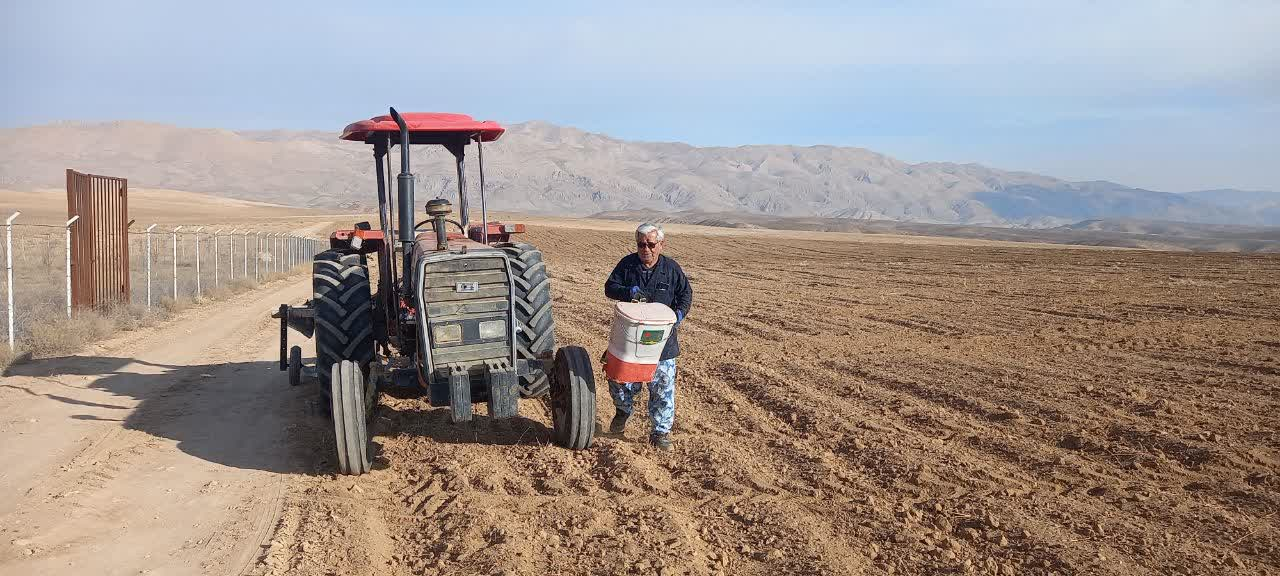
(300, 318)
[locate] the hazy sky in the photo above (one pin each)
(1166, 95)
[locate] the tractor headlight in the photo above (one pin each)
(446, 333)
(493, 329)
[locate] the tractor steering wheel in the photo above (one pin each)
(428, 221)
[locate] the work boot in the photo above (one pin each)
(661, 441)
(619, 422)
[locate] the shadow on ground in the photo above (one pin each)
(238, 414)
(245, 414)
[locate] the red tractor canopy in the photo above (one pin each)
(424, 128)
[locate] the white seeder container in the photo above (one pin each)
(640, 332)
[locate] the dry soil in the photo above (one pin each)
(843, 407)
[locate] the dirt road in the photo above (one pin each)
(163, 452)
(843, 408)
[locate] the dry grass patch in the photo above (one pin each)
(50, 333)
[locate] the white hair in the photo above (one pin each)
(647, 228)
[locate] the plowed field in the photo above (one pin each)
(847, 408)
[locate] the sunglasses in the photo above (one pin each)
(650, 245)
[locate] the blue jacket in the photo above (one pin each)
(668, 285)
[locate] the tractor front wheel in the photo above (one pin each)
(573, 399)
(350, 431)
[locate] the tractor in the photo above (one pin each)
(460, 314)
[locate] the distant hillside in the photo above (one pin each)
(1177, 229)
(1237, 198)
(543, 168)
(1263, 206)
(1151, 235)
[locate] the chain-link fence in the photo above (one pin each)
(168, 267)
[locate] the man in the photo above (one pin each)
(649, 276)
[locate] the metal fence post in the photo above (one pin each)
(257, 256)
(8, 256)
(198, 260)
(215, 256)
(149, 264)
(69, 223)
(175, 262)
(231, 259)
(246, 254)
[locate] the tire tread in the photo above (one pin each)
(344, 313)
(532, 312)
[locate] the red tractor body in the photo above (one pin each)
(460, 313)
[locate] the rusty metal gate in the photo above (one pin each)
(99, 239)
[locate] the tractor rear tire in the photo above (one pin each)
(573, 399)
(536, 335)
(350, 431)
(344, 313)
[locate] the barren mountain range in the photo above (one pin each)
(543, 168)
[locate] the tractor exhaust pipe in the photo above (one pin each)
(404, 195)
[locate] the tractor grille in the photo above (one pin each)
(467, 305)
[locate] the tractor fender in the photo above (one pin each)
(357, 241)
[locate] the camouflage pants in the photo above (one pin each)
(662, 396)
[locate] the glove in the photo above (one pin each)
(635, 290)
(679, 316)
